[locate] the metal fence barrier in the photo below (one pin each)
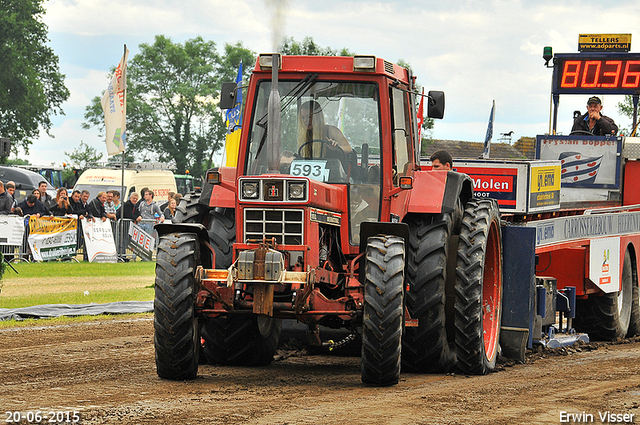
(16, 252)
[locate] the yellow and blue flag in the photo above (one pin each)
(234, 125)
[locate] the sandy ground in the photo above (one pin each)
(106, 372)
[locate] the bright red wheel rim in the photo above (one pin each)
(491, 292)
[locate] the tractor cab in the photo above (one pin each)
(348, 123)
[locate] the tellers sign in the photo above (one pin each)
(602, 73)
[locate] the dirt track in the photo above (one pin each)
(106, 371)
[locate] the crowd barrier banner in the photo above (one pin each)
(141, 243)
(52, 238)
(11, 230)
(98, 240)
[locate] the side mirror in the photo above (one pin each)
(436, 104)
(228, 95)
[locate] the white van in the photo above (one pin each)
(103, 179)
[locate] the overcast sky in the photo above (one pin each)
(474, 51)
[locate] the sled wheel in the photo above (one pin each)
(607, 317)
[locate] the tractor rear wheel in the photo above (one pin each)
(383, 316)
(478, 289)
(236, 339)
(608, 316)
(222, 235)
(426, 348)
(241, 339)
(177, 336)
(190, 210)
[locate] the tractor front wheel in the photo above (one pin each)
(177, 336)
(383, 316)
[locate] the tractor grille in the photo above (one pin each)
(284, 225)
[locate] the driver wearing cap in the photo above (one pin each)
(593, 121)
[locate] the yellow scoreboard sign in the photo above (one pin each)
(604, 42)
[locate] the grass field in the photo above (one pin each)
(68, 283)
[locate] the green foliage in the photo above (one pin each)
(84, 156)
(427, 123)
(172, 112)
(309, 48)
(17, 162)
(31, 85)
(626, 108)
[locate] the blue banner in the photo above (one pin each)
(487, 139)
(234, 115)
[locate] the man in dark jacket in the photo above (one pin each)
(96, 206)
(6, 201)
(32, 206)
(593, 121)
(129, 208)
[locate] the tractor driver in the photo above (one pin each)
(312, 128)
(593, 121)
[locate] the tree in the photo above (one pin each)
(427, 123)
(626, 108)
(16, 162)
(309, 48)
(84, 156)
(31, 85)
(172, 111)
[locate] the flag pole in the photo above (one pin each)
(124, 195)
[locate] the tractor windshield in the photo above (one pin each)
(326, 130)
(330, 132)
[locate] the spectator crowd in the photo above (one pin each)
(105, 206)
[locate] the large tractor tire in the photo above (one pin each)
(478, 289)
(222, 235)
(177, 336)
(383, 316)
(190, 210)
(241, 339)
(426, 348)
(607, 317)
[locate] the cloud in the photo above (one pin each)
(473, 50)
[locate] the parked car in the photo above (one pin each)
(26, 181)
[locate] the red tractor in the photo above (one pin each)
(329, 219)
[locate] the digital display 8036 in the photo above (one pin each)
(597, 73)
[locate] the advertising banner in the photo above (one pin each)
(98, 241)
(604, 263)
(52, 238)
(141, 243)
(11, 230)
(545, 187)
(586, 161)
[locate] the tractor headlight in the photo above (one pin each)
(250, 190)
(297, 190)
